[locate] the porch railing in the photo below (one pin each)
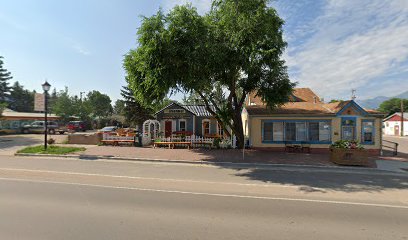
(390, 146)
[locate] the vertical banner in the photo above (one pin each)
(39, 102)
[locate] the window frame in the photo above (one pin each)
(306, 122)
(372, 142)
(185, 125)
(202, 126)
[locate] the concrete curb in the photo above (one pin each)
(288, 167)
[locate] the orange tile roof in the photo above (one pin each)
(298, 95)
(302, 101)
(291, 108)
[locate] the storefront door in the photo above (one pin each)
(396, 130)
(168, 128)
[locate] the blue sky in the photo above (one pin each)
(333, 45)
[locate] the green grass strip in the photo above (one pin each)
(51, 150)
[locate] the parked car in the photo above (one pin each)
(77, 126)
(108, 129)
(38, 127)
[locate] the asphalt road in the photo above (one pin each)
(83, 199)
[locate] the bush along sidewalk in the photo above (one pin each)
(51, 150)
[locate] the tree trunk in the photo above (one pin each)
(237, 129)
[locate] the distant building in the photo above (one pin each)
(305, 119)
(392, 124)
(12, 121)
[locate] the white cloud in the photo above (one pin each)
(80, 49)
(353, 43)
(201, 5)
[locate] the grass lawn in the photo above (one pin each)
(51, 150)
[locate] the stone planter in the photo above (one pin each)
(355, 157)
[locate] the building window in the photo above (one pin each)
(278, 131)
(206, 127)
(182, 125)
(290, 131)
(314, 131)
(324, 131)
(299, 131)
(267, 131)
(367, 129)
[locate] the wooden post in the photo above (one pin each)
(402, 117)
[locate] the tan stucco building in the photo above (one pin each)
(308, 120)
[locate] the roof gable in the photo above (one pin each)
(352, 108)
(396, 117)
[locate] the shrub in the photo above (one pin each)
(51, 141)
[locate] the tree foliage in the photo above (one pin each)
(5, 76)
(393, 105)
(134, 112)
(64, 106)
(100, 104)
(237, 47)
(119, 107)
(21, 100)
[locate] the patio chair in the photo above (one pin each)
(289, 147)
(305, 146)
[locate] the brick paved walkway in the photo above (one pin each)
(214, 155)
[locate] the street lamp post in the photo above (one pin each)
(46, 87)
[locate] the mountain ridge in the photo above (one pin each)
(374, 103)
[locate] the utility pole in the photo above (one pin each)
(402, 117)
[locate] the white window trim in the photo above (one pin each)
(185, 124)
(218, 129)
(202, 126)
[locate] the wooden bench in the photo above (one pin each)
(171, 145)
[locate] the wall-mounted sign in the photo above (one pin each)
(174, 111)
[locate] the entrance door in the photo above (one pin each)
(348, 133)
(168, 128)
(396, 130)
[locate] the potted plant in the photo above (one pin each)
(345, 152)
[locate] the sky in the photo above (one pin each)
(333, 45)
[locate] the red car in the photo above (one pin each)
(77, 126)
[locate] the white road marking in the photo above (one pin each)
(146, 178)
(214, 194)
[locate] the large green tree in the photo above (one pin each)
(100, 104)
(119, 107)
(238, 46)
(21, 100)
(134, 112)
(64, 105)
(393, 105)
(5, 76)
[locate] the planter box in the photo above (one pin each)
(355, 157)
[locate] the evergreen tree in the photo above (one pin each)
(5, 76)
(134, 112)
(21, 100)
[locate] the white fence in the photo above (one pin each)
(109, 137)
(224, 143)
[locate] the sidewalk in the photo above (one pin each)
(214, 155)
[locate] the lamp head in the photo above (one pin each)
(46, 86)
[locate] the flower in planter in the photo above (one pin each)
(347, 144)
